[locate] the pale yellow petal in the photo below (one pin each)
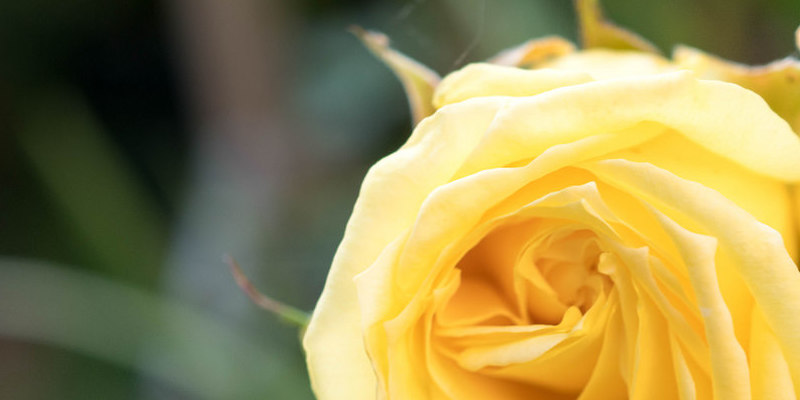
(478, 80)
(410, 350)
(730, 374)
(639, 265)
(756, 251)
(706, 112)
(611, 265)
(768, 200)
(778, 83)
(418, 80)
(770, 374)
(610, 64)
(796, 191)
(398, 183)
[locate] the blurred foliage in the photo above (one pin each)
(127, 182)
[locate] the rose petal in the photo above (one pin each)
(766, 199)
(756, 252)
(606, 381)
(770, 374)
(652, 349)
(610, 64)
(730, 375)
(480, 80)
(778, 83)
(706, 112)
(533, 52)
(400, 183)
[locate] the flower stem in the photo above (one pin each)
(286, 312)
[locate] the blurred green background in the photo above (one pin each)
(142, 140)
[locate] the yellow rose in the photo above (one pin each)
(602, 224)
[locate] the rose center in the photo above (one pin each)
(525, 274)
(562, 274)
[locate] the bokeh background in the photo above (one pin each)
(142, 140)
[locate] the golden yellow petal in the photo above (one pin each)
(418, 80)
(564, 367)
(476, 301)
(533, 52)
(687, 387)
(653, 355)
(606, 381)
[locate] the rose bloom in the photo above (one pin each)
(596, 224)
